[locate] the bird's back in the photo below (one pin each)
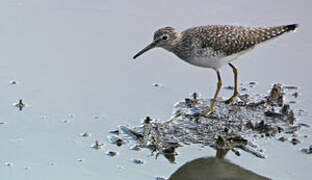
(228, 39)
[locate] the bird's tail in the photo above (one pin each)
(273, 32)
(290, 27)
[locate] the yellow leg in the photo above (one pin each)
(235, 94)
(219, 85)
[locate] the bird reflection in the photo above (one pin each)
(212, 168)
(215, 168)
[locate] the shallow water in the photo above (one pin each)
(72, 61)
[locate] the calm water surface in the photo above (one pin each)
(72, 63)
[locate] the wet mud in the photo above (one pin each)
(231, 128)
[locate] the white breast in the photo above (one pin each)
(207, 62)
(212, 61)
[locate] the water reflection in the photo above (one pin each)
(169, 154)
(215, 169)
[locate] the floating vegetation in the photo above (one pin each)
(98, 145)
(20, 105)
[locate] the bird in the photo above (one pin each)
(214, 46)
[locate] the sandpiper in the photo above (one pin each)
(214, 46)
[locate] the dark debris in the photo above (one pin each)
(295, 141)
(307, 150)
(20, 105)
(98, 145)
(111, 153)
(117, 140)
(138, 161)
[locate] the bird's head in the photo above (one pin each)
(164, 37)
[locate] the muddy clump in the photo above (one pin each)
(229, 128)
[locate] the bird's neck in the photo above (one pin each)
(181, 47)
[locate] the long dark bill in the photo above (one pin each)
(150, 46)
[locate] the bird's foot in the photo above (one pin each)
(232, 100)
(207, 112)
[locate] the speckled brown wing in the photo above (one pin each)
(234, 39)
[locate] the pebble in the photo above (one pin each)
(252, 83)
(295, 141)
(13, 82)
(147, 120)
(283, 139)
(66, 121)
(135, 148)
(291, 87)
(295, 94)
(116, 140)
(111, 153)
(114, 131)
(195, 95)
(138, 161)
(85, 134)
(250, 125)
(160, 178)
(157, 85)
(307, 150)
(8, 164)
(304, 125)
(228, 87)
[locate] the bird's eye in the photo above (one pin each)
(165, 37)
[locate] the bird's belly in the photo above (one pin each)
(214, 62)
(208, 62)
